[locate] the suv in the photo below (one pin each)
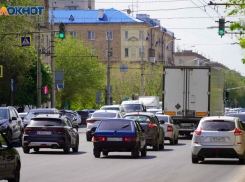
(154, 132)
(50, 131)
(218, 137)
(11, 124)
(40, 111)
(114, 107)
(97, 116)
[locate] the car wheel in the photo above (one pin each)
(161, 146)
(36, 149)
(89, 138)
(9, 136)
(194, 160)
(135, 153)
(172, 141)
(176, 141)
(75, 149)
(156, 146)
(26, 150)
(16, 174)
(144, 151)
(97, 153)
(67, 149)
(105, 153)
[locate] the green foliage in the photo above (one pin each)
(83, 76)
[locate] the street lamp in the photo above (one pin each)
(108, 55)
(183, 51)
(166, 50)
(142, 74)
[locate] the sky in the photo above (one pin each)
(180, 17)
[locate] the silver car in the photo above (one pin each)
(218, 137)
(97, 116)
(170, 129)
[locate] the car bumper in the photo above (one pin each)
(234, 151)
(115, 146)
(168, 135)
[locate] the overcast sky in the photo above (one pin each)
(220, 49)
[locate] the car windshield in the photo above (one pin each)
(132, 107)
(218, 126)
(45, 122)
(240, 116)
(141, 119)
(110, 108)
(32, 113)
(115, 125)
(3, 114)
(104, 115)
(164, 118)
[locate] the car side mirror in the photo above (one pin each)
(162, 121)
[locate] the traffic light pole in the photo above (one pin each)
(52, 63)
(39, 91)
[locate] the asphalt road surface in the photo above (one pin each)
(171, 164)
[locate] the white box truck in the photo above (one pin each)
(150, 102)
(190, 93)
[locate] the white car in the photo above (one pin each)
(97, 116)
(218, 137)
(114, 107)
(171, 130)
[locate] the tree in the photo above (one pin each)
(83, 76)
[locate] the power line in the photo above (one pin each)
(202, 9)
(173, 9)
(130, 2)
(212, 8)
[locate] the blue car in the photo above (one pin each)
(119, 135)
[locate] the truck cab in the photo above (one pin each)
(133, 106)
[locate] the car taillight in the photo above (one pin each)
(79, 116)
(169, 128)
(28, 130)
(96, 139)
(60, 130)
(130, 139)
(198, 132)
(238, 132)
(92, 121)
(152, 125)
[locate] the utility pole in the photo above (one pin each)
(142, 64)
(52, 62)
(38, 68)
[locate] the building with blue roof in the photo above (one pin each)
(126, 34)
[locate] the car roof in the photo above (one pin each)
(110, 106)
(119, 119)
(132, 102)
(162, 115)
(140, 113)
(109, 111)
(231, 119)
(44, 109)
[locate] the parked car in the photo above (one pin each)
(84, 114)
(171, 130)
(10, 163)
(79, 118)
(119, 135)
(22, 115)
(11, 124)
(94, 121)
(218, 137)
(154, 132)
(114, 107)
(72, 118)
(40, 111)
(50, 131)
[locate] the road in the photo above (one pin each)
(171, 164)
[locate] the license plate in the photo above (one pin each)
(217, 139)
(44, 132)
(114, 139)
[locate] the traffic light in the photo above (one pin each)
(221, 26)
(62, 30)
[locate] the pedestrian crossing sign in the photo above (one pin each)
(25, 40)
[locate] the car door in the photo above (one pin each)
(13, 124)
(72, 132)
(159, 128)
(19, 122)
(141, 134)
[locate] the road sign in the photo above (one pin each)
(12, 85)
(25, 40)
(98, 98)
(1, 71)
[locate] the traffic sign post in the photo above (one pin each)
(25, 40)
(1, 71)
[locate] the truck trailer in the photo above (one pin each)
(191, 93)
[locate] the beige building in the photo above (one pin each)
(71, 4)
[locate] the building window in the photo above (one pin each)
(141, 51)
(55, 8)
(71, 7)
(90, 35)
(126, 35)
(141, 34)
(111, 35)
(181, 62)
(73, 34)
(196, 62)
(111, 53)
(126, 52)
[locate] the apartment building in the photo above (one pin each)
(71, 4)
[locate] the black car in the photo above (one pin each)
(119, 135)
(11, 124)
(53, 131)
(10, 163)
(85, 114)
(40, 111)
(72, 118)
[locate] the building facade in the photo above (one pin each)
(71, 5)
